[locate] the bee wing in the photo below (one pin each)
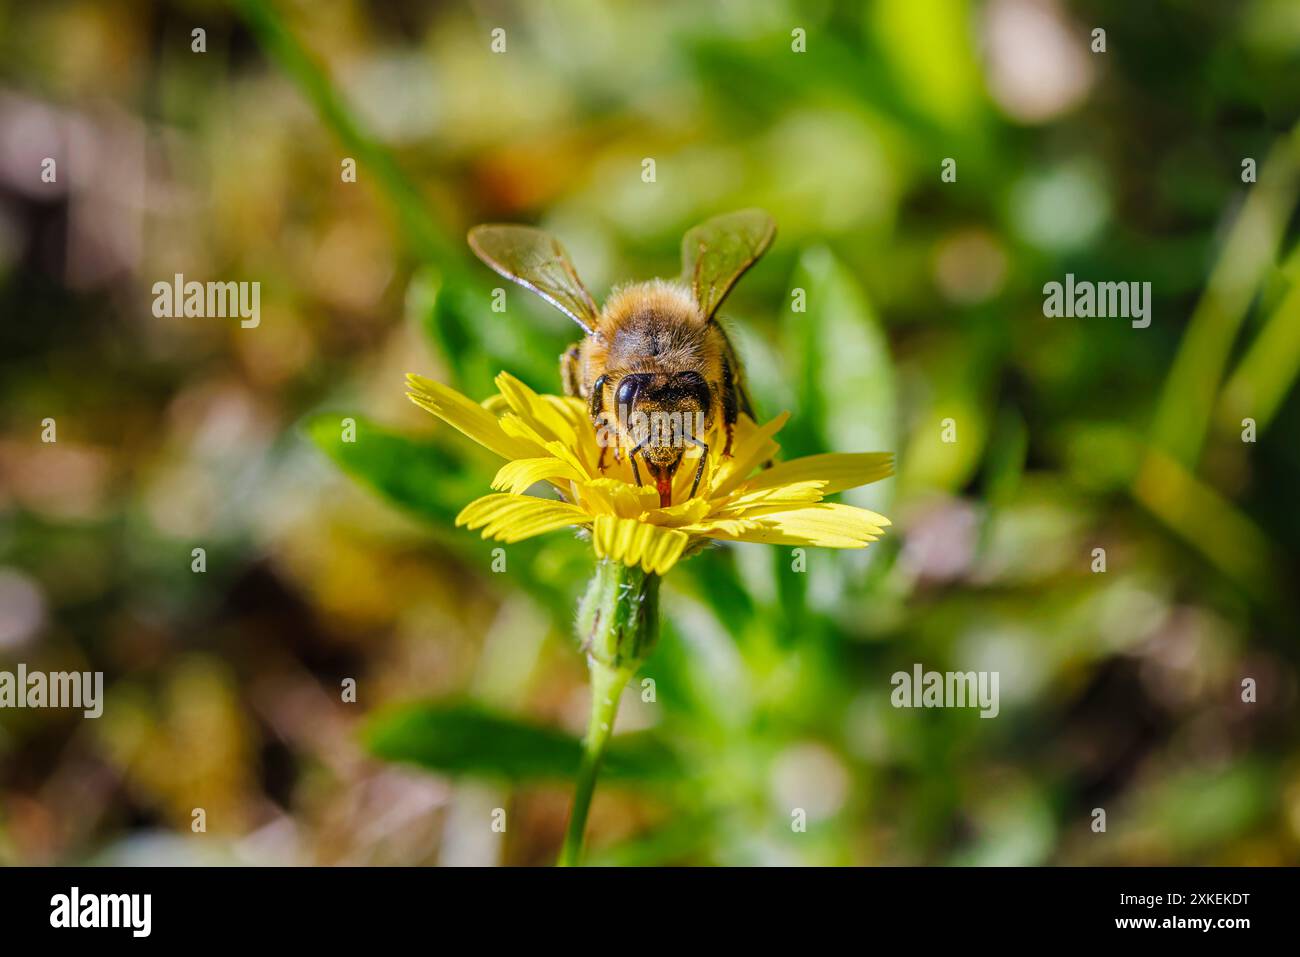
(536, 260)
(717, 252)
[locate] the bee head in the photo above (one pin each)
(660, 415)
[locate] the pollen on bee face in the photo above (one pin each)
(652, 429)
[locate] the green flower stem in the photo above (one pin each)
(618, 623)
(606, 688)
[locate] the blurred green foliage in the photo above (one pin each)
(465, 739)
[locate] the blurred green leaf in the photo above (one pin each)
(1005, 463)
(927, 43)
(465, 738)
(1209, 522)
(418, 476)
(477, 343)
(425, 236)
(680, 840)
(1269, 369)
(845, 394)
(757, 83)
(959, 384)
(1199, 808)
(1189, 393)
(841, 358)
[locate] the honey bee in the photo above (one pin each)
(656, 369)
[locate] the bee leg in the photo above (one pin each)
(596, 404)
(596, 407)
(631, 457)
(730, 404)
(571, 371)
(699, 469)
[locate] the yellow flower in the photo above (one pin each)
(547, 438)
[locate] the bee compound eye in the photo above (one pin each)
(627, 391)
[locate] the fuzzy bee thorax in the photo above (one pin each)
(651, 326)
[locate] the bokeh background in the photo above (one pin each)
(328, 560)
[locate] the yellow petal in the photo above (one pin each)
(838, 470)
(512, 518)
(827, 524)
(610, 496)
(577, 412)
(521, 474)
(631, 542)
(467, 417)
(517, 428)
(776, 498)
(573, 409)
(752, 450)
(533, 409)
(725, 529)
(829, 521)
(681, 513)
